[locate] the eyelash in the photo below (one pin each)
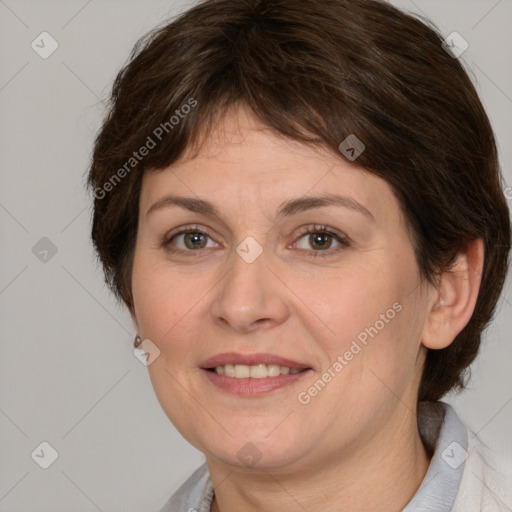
(316, 229)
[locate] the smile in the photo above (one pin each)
(258, 371)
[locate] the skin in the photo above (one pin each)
(355, 446)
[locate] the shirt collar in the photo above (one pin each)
(443, 433)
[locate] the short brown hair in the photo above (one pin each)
(316, 71)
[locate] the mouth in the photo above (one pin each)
(253, 374)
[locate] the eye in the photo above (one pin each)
(320, 239)
(188, 239)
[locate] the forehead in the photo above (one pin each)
(244, 163)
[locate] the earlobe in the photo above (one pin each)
(453, 302)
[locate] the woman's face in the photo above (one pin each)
(335, 288)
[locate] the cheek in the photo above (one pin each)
(167, 304)
(353, 297)
(371, 319)
(164, 299)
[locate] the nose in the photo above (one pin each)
(251, 296)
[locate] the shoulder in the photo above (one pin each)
(195, 494)
(486, 483)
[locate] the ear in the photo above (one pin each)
(453, 302)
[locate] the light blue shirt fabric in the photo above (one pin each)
(440, 429)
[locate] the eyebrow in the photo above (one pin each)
(286, 209)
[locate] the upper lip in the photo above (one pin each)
(250, 360)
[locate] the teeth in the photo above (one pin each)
(258, 371)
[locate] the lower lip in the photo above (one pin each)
(251, 386)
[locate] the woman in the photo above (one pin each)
(300, 204)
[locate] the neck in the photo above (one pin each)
(383, 474)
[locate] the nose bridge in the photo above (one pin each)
(249, 295)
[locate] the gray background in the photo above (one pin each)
(68, 375)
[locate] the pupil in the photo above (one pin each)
(319, 239)
(193, 238)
